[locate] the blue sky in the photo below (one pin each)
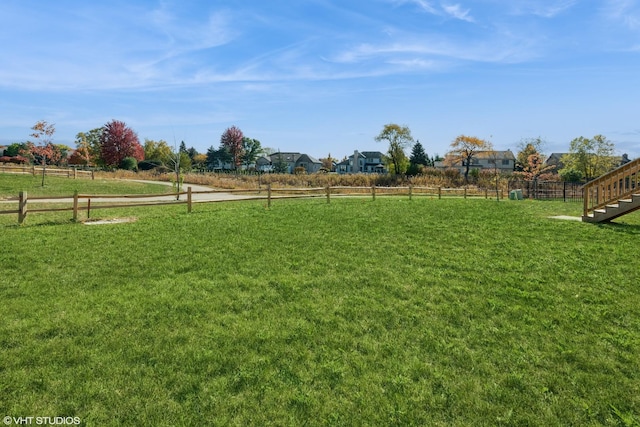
(321, 76)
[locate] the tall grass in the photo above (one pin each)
(429, 178)
(393, 312)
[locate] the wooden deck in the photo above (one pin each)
(612, 195)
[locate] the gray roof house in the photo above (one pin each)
(365, 162)
(555, 159)
(290, 161)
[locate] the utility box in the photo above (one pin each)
(515, 195)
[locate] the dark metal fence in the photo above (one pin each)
(549, 190)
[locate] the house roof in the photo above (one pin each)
(307, 158)
(285, 156)
(555, 157)
(292, 157)
(263, 160)
(369, 155)
(504, 154)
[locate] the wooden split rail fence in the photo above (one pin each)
(84, 202)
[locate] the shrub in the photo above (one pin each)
(14, 159)
(147, 165)
(129, 163)
(21, 160)
(570, 175)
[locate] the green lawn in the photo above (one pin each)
(11, 185)
(358, 312)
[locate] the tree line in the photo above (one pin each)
(586, 159)
(116, 145)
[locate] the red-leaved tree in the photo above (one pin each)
(231, 140)
(117, 142)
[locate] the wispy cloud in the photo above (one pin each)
(456, 11)
(541, 8)
(144, 48)
(425, 5)
(626, 12)
(436, 51)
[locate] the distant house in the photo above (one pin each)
(503, 161)
(263, 164)
(288, 162)
(362, 162)
(555, 159)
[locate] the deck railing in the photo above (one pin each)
(618, 184)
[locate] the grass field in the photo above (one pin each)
(358, 312)
(11, 185)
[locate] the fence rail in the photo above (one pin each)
(87, 203)
(48, 171)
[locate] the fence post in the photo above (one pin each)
(75, 205)
(465, 192)
(88, 208)
(439, 192)
(328, 194)
(93, 176)
(33, 170)
(410, 192)
(373, 191)
(269, 195)
(75, 173)
(22, 207)
(188, 199)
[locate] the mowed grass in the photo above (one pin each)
(358, 312)
(11, 185)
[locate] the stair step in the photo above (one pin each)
(600, 210)
(613, 206)
(626, 200)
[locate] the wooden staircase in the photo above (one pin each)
(613, 194)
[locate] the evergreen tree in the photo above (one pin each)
(418, 155)
(280, 166)
(218, 159)
(183, 147)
